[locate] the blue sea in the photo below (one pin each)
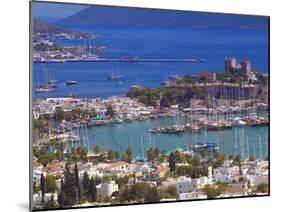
(213, 45)
(238, 140)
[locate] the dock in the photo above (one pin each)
(188, 60)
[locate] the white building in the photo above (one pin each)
(226, 172)
(239, 184)
(89, 168)
(140, 168)
(106, 189)
(257, 179)
(119, 169)
(223, 178)
(192, 195)
(227, 168)
(186, 185)
(190, 185)
(159, 173)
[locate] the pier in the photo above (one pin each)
(188, 60)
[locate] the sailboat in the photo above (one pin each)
(113, 76)
(136, 85)
(47, 86)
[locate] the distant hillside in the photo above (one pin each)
(120, 16)
(45, 27)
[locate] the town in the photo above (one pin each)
(67, 172)
(102, 178)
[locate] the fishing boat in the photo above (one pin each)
(71, 82)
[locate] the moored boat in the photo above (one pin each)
(71, 82)
(204, 146)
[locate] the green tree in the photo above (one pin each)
(262, 188)
(192, 171)
(92, 194)
(129, 155)
(61, 195)
(117, 155)
(204, 76)
(165, 102)
(152, 195)
(140, 191)
(85, 182)
(212, 191)
(68, 188)
(203, 154)
(97, 180)
(176, 157)
(58, 115)
(77, 182)
(237, 160)
(172, 191)
(156, 152)
(51, 185)
(110, 111)
(43, 188)
(97, 149)
(150, 154)
(172, 161)
(110, 154)
(251, 157)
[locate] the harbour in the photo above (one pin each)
(138, 113)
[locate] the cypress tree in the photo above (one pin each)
(77, 182)
(92, 192)
(85, 182)
(61, 194)
(43, 188)
(172, 161)
(69, 187)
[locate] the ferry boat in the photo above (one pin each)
(71, 82)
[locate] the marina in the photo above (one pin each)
(144, 127)
(138, 113)
(243, 140)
